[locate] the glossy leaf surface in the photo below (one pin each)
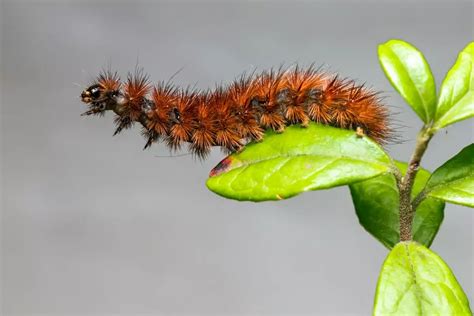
(376, 202)
(297, 160)
(456, 99)
(409, 73)
(454, 181)
(416, 281)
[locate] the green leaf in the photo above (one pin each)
(409, 73)
(376, 203)
(454, 181)
(297, 160)
(456, 98)
(416, 281)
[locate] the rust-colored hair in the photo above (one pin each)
(231, 115)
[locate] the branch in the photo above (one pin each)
(397, 174)
(407, 210)
(418, 199)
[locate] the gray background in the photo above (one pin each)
(93, 225)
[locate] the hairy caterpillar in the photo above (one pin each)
(231, 115)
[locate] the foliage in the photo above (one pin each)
(298, 160)
(376, 202)
(389, 197)
(416, 281)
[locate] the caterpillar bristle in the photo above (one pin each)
(150, 135)
(136, 89)
(109, 80)
(231, 115)
(181, 119)
(204, 127)
(121, 123)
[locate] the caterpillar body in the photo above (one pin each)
(232, 115)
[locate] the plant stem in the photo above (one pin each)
(418, 199)
(407, 211)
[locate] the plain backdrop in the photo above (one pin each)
(93, 225)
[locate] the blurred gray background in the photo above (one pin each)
(93, 225)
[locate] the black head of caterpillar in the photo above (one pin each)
(92, 93)
(96, 98)
(102, 94)
(231, 115)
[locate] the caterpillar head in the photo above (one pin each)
(98, 98)
(102, 93)
(93, 94)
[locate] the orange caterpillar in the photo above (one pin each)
(230, 116)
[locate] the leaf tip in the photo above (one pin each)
(394, 42)
(469, 48)
(223, 166)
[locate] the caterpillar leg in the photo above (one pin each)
(360, 132)
(280, 129)
(122, 123)
(305, 122)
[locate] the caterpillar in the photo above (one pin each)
(231, 115)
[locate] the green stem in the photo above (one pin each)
(407, 211)
(418, 199)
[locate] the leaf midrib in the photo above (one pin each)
(470, 88)
(424, 106)
(257, 161)
(417, 291)
(442, 185)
